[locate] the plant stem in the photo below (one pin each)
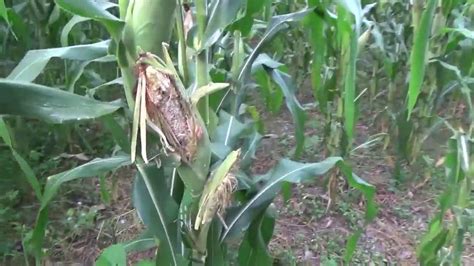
(182, 57)
(202, 57)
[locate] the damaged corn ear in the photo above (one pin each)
(217, 193)
(161, 106)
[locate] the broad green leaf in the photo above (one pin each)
(20, 28)
(3, 11)
(78, 19)
(273, 96)
(114, 255)
(315, 22)
(4, 133)
(158, 211)
(96, 11)
(68, 27)
(215, 251)
(221, 14)
(354, 6)
(145, 242)
(90, 169)
(238, 220)
(349, 38)
(75, 70)
(29, 173)
(286, 84)
(370, 210)
(206, 90)
(418, 55)
(276, 24)
(117, 132)
(465, 32)
(35, 60)
(244, 24)
(249, 148)
(253, 249)
(49, 104)
(24, 166)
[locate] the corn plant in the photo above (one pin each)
(184, 131)
(444, 241)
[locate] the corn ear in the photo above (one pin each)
(218, 190)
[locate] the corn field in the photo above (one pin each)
(230, 132)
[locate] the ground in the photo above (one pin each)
(306, 231)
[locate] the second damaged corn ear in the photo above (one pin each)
(160, 105)
(218, 191)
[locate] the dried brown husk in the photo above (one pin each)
(169, 111)
(217, 200)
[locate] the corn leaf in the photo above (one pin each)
(253, 250)
(78, 19)
(418, 55)
(238, 220)
(159, 212)
(286, 84)
(3, 11)
(113, 255)
(276, 24)
(35, 60)
(24, 166)
(96, 11)
(244, 24)
(49, 104)
(92, 168)
(215, 251)
(315, 23)
(222, 13)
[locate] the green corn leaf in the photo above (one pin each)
(24, 166)
(96, 11)
(3, 11)
(215, 251)
(276, 24)
(35, 60)
(244, 24)
(418, 55)
(117, 132)
(78, 19)
(463, 31)
(206, 90)
(221, 14)
(158, 211)
(68, 27)
(238, 220)
(286, 84)
(113, 255)
(49, 104)
(253, 250)
(348, 38)
(93, 168)
(273, 97)
(75, 70)
(315, 22)
(145, 242)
